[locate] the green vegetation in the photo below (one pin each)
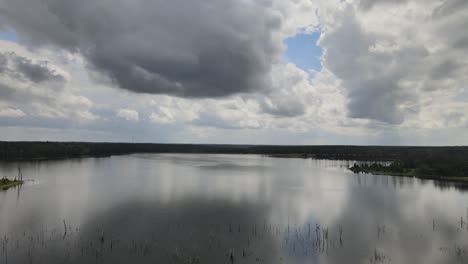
(450, 164)
(6, 183)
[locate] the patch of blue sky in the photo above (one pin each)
(302, 50)
(8, 34)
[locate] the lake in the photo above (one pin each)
(200, 208)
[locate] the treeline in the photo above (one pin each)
(408, 157)
(441, 162)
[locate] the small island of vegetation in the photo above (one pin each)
(449, 165)
(7, 183)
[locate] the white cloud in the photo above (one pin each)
(128, 114)
(11, 112)
(163, 116)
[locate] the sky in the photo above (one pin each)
(359, 72)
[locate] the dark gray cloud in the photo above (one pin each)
(36, 72)
(23, 68)
(185, 48)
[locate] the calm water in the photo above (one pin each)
(150, 208)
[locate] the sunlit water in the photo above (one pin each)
(150, 208)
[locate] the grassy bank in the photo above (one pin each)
(7, 183)
(395, 169)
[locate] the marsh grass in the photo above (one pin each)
(232, 243)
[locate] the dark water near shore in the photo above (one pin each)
(156, 208)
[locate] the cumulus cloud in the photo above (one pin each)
(207, 119)
(291, 93)
(228, 117)
(37, 88)
(128, 114)
(163, 116)
(449, 7)
(11, 112)
(21, 67)
(184, 48)
(169, 110)
(390, 64)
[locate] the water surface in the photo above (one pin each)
(170, 208)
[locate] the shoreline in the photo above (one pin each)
(434, 163)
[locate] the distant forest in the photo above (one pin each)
(440, 161)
